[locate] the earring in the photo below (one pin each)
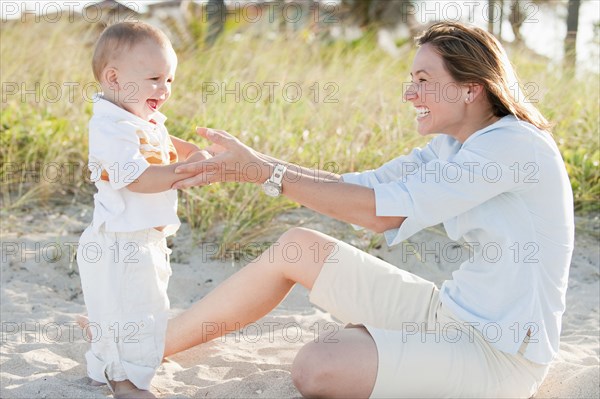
(467, 100)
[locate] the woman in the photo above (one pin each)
(494, 177)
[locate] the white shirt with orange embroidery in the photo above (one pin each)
(121, 147)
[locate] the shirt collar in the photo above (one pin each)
(505, 120)
(107, 108)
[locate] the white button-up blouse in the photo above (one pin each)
(505, 192)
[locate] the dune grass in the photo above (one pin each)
(349, 116)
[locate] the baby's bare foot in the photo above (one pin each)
(121, 389)
(83, 322)
(126, 390)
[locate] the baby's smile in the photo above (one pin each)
(152, 103)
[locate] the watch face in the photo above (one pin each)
(271, 189)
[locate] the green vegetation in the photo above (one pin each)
(350, 116)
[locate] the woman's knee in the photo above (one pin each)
(301, 244)
(298, 235)
(302, 253)
(311, 373)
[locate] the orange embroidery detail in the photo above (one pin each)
(151, 152)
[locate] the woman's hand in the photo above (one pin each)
(321, 191)
(231, 161)
(199, 156)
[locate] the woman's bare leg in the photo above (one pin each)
(251, 293)
(346, 368)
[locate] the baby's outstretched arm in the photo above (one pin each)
(158, 178)
(184, 148)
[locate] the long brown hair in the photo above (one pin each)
(472, 55)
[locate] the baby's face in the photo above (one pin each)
(145, 74)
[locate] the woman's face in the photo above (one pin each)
(438, 100)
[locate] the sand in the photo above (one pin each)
(42, 351)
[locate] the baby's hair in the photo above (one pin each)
(121, 37)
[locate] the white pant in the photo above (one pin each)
(124, 277)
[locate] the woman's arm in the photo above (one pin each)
(319, 190)
(351, 203)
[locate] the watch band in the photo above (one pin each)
(277, 176)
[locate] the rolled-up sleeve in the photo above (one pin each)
(393, 170)
(441, 190)
(436, 190)
(115, 148)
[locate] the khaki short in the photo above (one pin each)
(423, 349)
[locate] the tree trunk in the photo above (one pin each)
(490, 16)
(570, 59)
(500, 16)
(516, 19)
(216, 14)
(379, 13)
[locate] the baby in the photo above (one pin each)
(122, 256)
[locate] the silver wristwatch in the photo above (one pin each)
(272, 187)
